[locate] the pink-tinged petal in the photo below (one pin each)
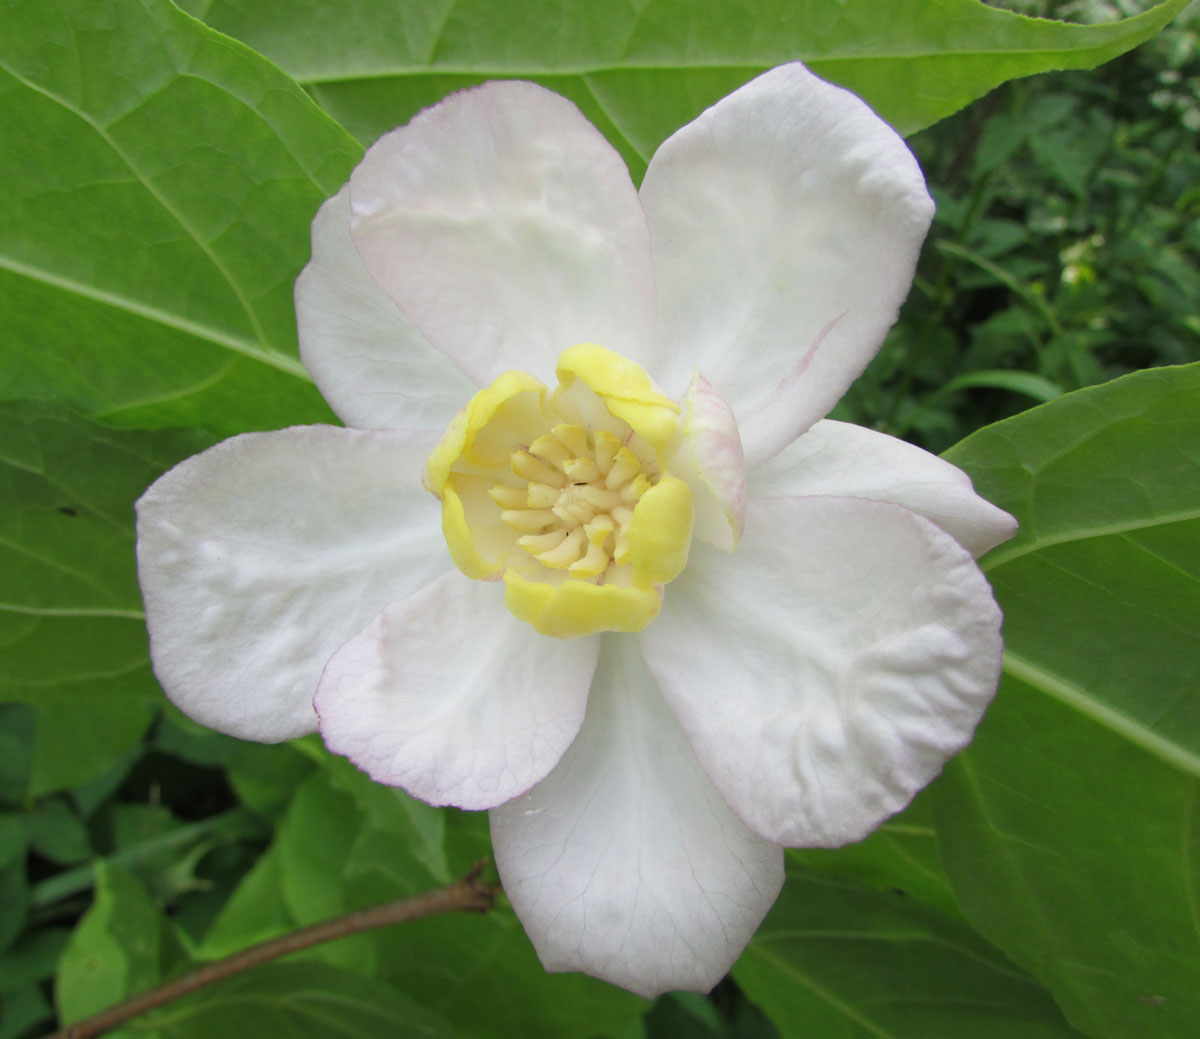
(785, 224)
(843, 460)
(625, 862)
(448, 695)
(263, 554)
(709, 457)
(507, 229)
(374, 368)
(826, 670)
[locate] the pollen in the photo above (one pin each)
(572, 498)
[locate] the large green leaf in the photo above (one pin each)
(298, 1001)
(1071, 828)
(72, 638)
(158, 181)
(115, 951)
(346, 843)
(840, 961)
(641, 71)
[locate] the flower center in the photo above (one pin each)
(565, 495)
(576, 504)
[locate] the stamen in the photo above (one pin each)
(607, 447)
(592, 564)
(562, 557)
(575, 510)
(536, 544)
(624, 468)
(580, 470)
(508, 497)
(539, 496)
(574, 438)
(529, 521)
(534, 469)
(551, 450)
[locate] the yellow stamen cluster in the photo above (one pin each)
(572, 499)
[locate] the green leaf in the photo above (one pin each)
(58, 834)
(14, 891)
(901, 856)
(159, 181)
(481, 973)
(299, 1001)
(839, 961)
(1071, 827)
(255, 912)
(72, 638)
(640, 71)
(115, 950)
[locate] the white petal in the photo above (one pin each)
(785, 224)
(826, 670)
(625, 862)
(840, 459)
(507, 229)
(448, 695)
(709, 458)
(374, 368)
(263, 554)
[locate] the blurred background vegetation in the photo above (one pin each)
(1066, 251)
(1066, 247)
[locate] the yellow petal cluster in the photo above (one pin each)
(565, 494)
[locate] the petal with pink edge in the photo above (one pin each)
(826, 670)
(785, 224)
(263, 554)
(709, 458)
(507, 229)
(625, 862)
(449, 696)
(374, 368)
(843, 460)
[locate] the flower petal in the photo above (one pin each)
(374, 368)
(625, 862)
(785, 224)
(710, 459)
(263, 554)
(448, 695)
(826, 670)
(507, 229)
(844, 460)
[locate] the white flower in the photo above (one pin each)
(793, 687)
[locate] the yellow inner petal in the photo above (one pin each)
(568, 497)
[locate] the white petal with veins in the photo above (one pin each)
(375, 370)
(826, 670)
(507, 229)
(785, 222)
(851, 461)
(448, 695)
(263, 554)
(625, 862)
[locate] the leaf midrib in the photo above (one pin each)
(1006, 554)
(1120, 724)
(243, 347)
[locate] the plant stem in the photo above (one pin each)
(469, 894)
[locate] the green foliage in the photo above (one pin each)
(1077, 800)
(837, 960)
(160, 175)
(638, 74)
(160, 182)
(72, 638)
(1065, 249)
(299, 1001)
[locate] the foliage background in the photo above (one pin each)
(160, 179)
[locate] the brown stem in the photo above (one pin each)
(467, 895)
